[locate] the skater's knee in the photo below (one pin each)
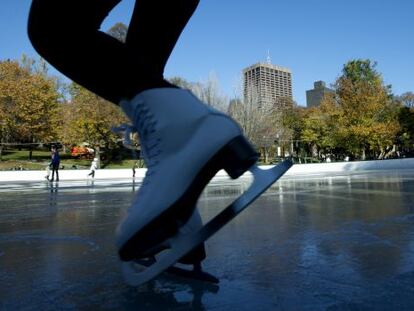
(34, 23)
(54, 22)
(42, 28)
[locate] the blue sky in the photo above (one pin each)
(314, 38)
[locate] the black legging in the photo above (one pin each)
(66, 33)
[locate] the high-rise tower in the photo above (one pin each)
(266, 83)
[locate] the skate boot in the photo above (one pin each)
(190, 267)
(198, 254)
(184, 144)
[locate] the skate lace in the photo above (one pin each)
(126, 130)
(150, 143)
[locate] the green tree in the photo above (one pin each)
(367, 119)
(407, 99)
(293, 117)
(118, 31)
(406, 134)
(287, 123)
(321, 128)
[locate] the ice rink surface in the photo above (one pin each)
(339, 242)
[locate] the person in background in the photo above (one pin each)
(94, 167)
(55, 163)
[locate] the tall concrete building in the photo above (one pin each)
(265, 83)
(314, 97)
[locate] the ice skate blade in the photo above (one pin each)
(185, 273)
(181, 244)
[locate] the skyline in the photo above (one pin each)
(312, 38)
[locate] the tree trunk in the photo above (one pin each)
(382, 154)
(314, 152)
(393, 151)
(98, 155)
(363, 156)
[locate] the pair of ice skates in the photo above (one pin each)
(184, 144)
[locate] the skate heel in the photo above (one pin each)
(238, 156)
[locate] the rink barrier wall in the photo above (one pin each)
(295, 170)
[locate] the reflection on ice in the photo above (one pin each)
(342, 242)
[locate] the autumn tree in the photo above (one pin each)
(88, 118)
(28, 102)
(5, 124)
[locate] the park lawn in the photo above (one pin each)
(19, 159)
(23, 155)
(121, 164)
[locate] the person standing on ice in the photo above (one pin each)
(54, 164)
(184, 141)
(94, 167)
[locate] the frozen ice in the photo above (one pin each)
(327, 242)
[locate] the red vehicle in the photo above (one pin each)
(82, 152)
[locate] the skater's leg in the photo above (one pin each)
(155, 28)
(66, 33)
(182, 140)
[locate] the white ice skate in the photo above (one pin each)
(182, 243)
(192, 270)
(184, 144)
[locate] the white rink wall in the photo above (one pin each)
(295, 170)
(337, 167)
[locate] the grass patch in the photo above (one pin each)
(120, 164)
(17, 165)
